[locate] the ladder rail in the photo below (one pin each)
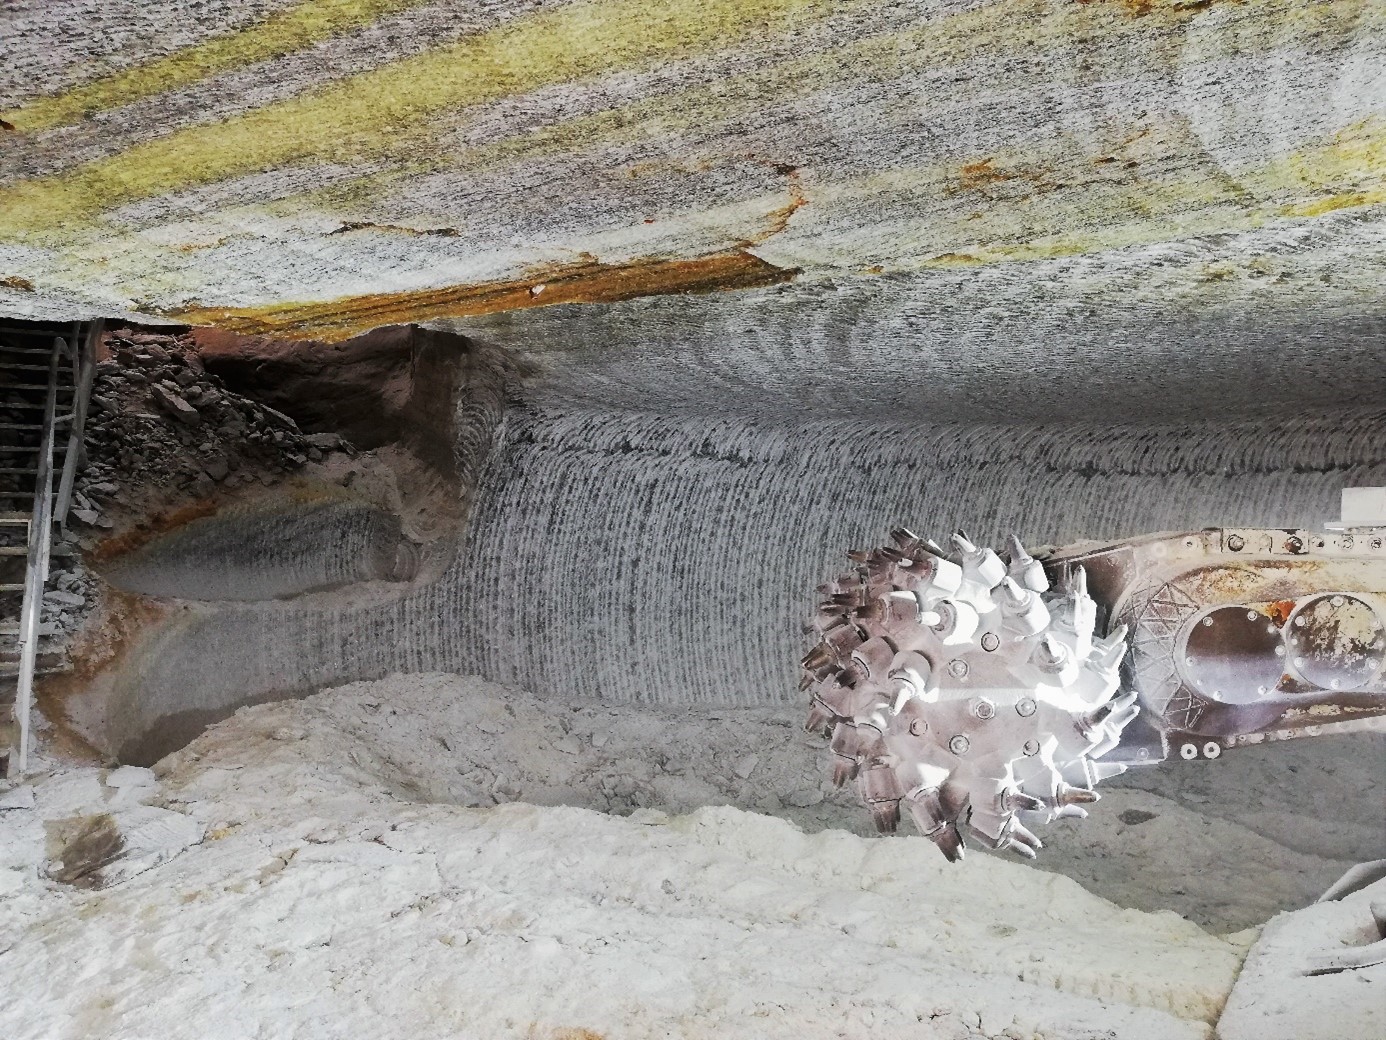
(36, 564)
(84, 371)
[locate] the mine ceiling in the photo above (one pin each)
(1029, 210)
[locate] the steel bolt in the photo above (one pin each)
(1031, 748)
(990, 641)
(957, 668)
(1236, 542)
(1025, 707)
(983, 708)
(1212, 749)
(1188, 751)
(959, 744)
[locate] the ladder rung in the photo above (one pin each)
(38, 386)
(16, 367)
(4, 349)
(18, 469)
(20, 426)
(14, 550)
(11, 586)
(15, 518)
(9, 671)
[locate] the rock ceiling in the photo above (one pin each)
(1172, 205)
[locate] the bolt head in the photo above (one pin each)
(1236, 542)
(983, 708)
(1025, 707)
(1031, 748)
(990, 641)
(959, 744)
(957, 668)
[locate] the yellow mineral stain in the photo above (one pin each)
(1037, 205)
(360, 117)
(591, 282)
(1347, 173)
(283, 32)
(989, 34)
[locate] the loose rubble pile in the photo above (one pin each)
(161, 432)
(70, 589)
(161, 427)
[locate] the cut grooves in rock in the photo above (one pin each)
(616, 557)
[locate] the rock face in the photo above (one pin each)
(923, 166)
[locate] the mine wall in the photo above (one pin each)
(601, 555)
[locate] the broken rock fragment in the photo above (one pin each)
(175, 406)
(106, 849)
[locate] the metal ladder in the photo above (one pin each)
(45, 388)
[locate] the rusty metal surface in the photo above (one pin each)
(1240, 635)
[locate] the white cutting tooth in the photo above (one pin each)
(963, 543)
(1025, 569)
(1078, 582)
(1105, 770)
(972, 686)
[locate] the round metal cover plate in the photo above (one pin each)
(1336, 642)
(1230, 655)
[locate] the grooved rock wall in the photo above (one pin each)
(626, 558)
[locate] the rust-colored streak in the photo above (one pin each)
(102, 644)
(137, 537)
(340, 319)
(980, 174)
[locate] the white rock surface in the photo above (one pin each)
(1275, 1000)
(325, 901)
